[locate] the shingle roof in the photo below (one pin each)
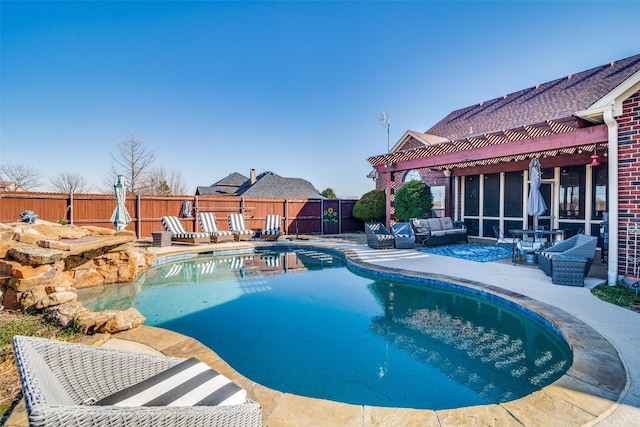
(555, 100)
(543, 110)
(268, 184)
(228, 185)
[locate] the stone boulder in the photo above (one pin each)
(42, 265)
(64, 314)
(35, 255)
(109, 321)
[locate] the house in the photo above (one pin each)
(9, 186)
(583, 128)
(229, 185)
(267, 184)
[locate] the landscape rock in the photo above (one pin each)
(109, 321)
(55, 298)
(51, 277)
(65, 313)
(25, 271)
(124, 320)
(30, 297)
(35, 255)
(42, 265)
(11, 299)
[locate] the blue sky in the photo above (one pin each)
(289, 87)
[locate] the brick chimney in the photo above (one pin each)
(252, 176)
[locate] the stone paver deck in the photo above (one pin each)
(600, 388)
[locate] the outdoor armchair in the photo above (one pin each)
(403, 235)
(79, 385)
(209, 225)
(378, 237)
(237, 227)
(271, 229)
(580, 245)
(178, 234)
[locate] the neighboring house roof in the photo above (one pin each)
(9, 186)
(228, 185)
(267, 184)
(554, 100)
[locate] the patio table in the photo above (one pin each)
(518, 234)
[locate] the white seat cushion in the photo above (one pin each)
(189, 383)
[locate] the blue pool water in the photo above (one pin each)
(299, 321)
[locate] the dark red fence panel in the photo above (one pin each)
(300, 216)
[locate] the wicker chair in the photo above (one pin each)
(578, 246)
(60, 381)
(378, 237)
(403, 235)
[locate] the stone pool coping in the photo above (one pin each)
(586, 393)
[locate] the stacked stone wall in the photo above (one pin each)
(42, 265)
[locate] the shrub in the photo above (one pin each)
(372, 206)
(329, 193)
(413, 200)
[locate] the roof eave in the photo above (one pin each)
(614, 98)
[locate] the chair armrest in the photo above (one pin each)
(459, 224)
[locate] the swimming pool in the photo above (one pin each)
(299, 321)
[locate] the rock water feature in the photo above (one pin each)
(42, 264)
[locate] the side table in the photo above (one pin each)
(161, 238)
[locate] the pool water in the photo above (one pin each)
(300, 322)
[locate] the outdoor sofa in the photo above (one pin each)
(68, 384)
(439, 231)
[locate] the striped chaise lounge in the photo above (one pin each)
(68, 384)
(178, 234)
(237, 227)
(271, 228)
(209, 225)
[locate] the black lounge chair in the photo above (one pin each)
(403, 235)
(378, 237)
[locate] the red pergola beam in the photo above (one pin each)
(583, 136)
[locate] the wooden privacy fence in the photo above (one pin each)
(300, 216)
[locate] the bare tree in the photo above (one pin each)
(69, 182)
(132, 159)
(24, 177)
(168, 183)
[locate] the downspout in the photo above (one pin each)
(612, 257)
(456, 193)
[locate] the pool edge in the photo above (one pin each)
(586, 393)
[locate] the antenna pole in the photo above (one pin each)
(384, 121)
(388, 136)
